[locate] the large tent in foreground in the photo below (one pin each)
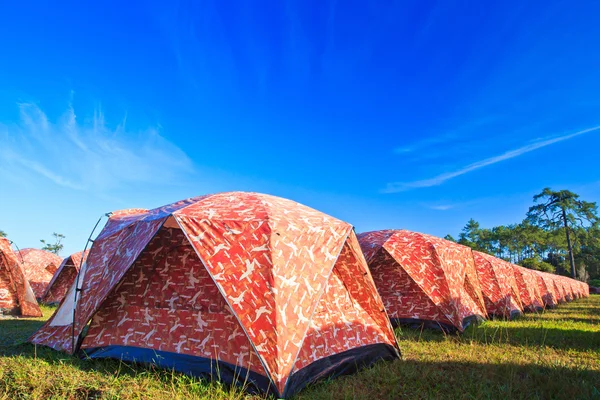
(529, 289)
(424, 280)
(236, 285)
(498, 285)
(63, 278)
(16, 296)
(39, 266)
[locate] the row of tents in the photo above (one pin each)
(264, 291)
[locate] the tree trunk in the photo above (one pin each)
(571, 257)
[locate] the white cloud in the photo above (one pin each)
(395, 187)
(442, 207)
(88, 156)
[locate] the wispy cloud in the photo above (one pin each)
(88, 156)
(442, 207)
(460, 133)
(395, 187)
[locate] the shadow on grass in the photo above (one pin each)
(17, 330)
(460, 380)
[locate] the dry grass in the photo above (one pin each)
(555, 354)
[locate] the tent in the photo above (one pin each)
(559, 289)
(243, 286)
(575, 288)
(16, 296)
(498, 285)
(63, 278)
(585, 289)
(529, 289)
(39, 267)
(547, 289)
(424, 280)
(566, 288)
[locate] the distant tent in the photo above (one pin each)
(424, 280)
(39, 267)
(16, 296)
(547, 289)
(498, 285)
(529, 289)
(566, 287)
(559, 289)
(63, 278)
(244, 286)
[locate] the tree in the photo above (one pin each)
(2, 233)
(473, 236)
(450, 238)
(562, 209)
(57, 246)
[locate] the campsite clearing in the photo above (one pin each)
(555, 354)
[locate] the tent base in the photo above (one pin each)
(436, 325)
(344, 363)
(338, 364)
(14, 311)
(513, 315)
(201, 367)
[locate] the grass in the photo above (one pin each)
(552, 355)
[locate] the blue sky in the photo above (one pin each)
(416, 115)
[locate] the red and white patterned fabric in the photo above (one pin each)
(39, 267)
(423, 278)
(16, 295)
(253, 280)
(63, 278)
(529, 289)
(547, 289)
(498, 285)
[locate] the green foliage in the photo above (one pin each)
(450, 238)
(540, 240)
(537, 264)
(2, 233)
(594, 282)
(55, 247)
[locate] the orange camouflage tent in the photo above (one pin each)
(424, 280)
(63, 278)
(16, 295)
(498, 285)
(39, 267)
(529, 289)
(251, 287)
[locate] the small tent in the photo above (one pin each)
(559, 289)
(566, 288)
(39, 267)
(424, 280)
(16, 296)
(498, 285)
(63, 278)
(529, 289)
(237, 285)
(547, 289)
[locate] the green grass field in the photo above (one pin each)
(554, 355)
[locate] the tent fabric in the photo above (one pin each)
(63, 278)
(16, 295)
(529, 289)
(39, 267)
(238, 280)
(498, 285)
(547, 289)
(423, 279)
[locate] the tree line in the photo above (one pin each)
(560, 234)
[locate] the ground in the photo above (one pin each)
(552, 355)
